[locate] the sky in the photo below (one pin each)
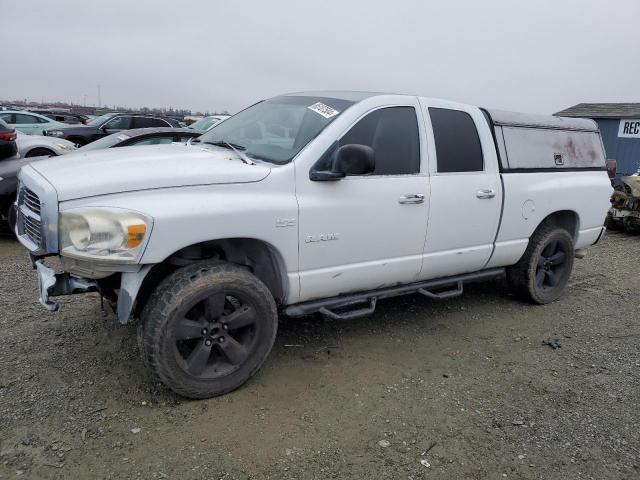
(537, 56)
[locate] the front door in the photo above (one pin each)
(366, 231)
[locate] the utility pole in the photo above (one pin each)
(99, 97)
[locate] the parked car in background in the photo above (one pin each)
(8, 146)
(40, 146)
(143, 136)
(107, 124)
(206, 123)
(29, 122)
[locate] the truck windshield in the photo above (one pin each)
(275, 130)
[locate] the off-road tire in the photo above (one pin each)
(522, 275)
(160, 318)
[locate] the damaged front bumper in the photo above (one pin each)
(52, 284)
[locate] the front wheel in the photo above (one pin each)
(207, 329)
(542, 273)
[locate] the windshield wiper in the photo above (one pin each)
(235, 147)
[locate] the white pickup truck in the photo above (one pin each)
(311, 202)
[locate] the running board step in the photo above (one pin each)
(456, 292)
(350, 315)
(331, 307)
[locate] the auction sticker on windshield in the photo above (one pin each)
(122, 136)
(325, 110)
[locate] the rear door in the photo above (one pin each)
(466, 192)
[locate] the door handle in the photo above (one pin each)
(486, 193)
(411, 198)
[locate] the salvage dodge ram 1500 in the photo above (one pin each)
(311, 202)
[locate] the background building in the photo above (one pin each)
(620, 127)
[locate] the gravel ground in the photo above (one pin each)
(422, 389)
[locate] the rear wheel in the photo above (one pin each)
(542, 273)
(207, 329)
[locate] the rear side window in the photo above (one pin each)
(457, 142)
(146, 122)
(393, 134)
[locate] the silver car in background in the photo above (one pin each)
(41, 146)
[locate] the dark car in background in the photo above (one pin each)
(107, 124)
(8, 147)
(143, 136)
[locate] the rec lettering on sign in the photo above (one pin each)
(629, 128)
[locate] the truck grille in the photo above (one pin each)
(29, 215)
(31, 200)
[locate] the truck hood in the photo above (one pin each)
(127, 169)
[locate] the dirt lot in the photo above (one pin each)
(458, 389)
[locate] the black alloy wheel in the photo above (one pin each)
(215, 335)
(551, 265)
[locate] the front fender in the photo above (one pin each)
(129, 287)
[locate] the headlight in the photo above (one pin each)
(54, 133)
(107, 234)
(63, 146)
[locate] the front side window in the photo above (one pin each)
(392, 133)
(275, 130)
(118, 123)
(457, 142)
(22, 119)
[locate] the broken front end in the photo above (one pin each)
(98, 248)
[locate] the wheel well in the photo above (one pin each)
(259, 257)
(567, 219)
(40, 149)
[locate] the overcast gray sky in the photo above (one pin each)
(537, 56)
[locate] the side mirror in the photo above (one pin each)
(352, 159)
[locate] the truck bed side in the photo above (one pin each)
(549, 167)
